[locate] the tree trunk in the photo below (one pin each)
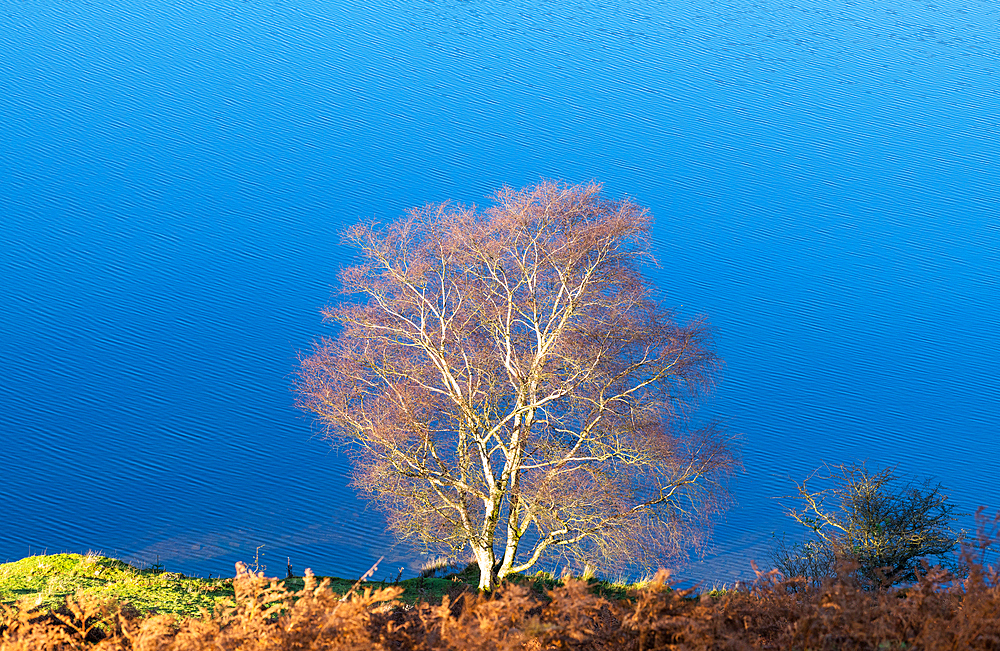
(485, 559)
(514, 499)
(509, 553)
(513, 534)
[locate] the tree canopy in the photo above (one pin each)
(509, 384)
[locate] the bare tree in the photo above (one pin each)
(864, 520)
(509, 380)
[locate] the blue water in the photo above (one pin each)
(174, 176)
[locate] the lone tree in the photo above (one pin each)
(865, 519)
(508, 380)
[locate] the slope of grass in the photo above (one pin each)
(41, 583)
(44, 582)
(937, 613)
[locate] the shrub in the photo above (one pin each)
(882, 532)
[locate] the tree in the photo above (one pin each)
(508, 378)
(882, 531)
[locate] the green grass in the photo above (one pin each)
(44, 583)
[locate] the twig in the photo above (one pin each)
(364, 576)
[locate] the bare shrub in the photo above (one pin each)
(867, 521)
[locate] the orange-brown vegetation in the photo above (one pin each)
(937, 612)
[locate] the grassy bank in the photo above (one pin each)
(43, 583)
(109, 606)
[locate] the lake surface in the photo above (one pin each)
(174, 176)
